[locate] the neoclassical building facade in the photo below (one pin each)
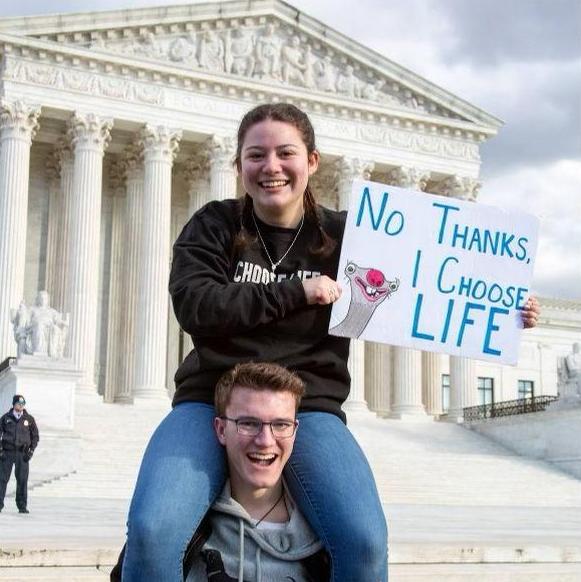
(116, 126)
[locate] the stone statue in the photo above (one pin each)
(149, 47)
(293, 66)
(348, 84)
(19, 318)
(326, 79)
(268, 54)
(569, 373)
(310, 72)
(183, 50)
(372, 90)
(212, 52)
(40, 330)
(240, 52)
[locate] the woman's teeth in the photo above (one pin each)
(274, 184)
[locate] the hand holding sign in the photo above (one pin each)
(435, 273)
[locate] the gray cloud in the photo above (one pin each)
(543, 123)
(494, 31)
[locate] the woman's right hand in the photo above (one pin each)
(321, 290)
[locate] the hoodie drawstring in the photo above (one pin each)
(258, 565)
(241, 554)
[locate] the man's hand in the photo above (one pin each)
(530, 312)
(28, 455)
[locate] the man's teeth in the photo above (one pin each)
(370, 290)
(262, 458)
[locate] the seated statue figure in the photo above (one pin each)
(47, 329)
(569, 373)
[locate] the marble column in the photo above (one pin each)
(407, 385)
(66, 159)
(159, 148)
(432, 382)
(347, 170)
(222, 170)
(18, 124)
(197, 175)
(463, 391)
(378, 377)
(54, 225)
(90, 135)
(133, 157)
(117, 288)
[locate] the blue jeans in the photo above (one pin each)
(184, 470)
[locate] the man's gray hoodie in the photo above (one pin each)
(239, 551)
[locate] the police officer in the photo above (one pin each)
(18, 439)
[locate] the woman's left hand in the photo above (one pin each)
(530, 312)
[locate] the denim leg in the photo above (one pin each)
(331, 481)
(182, 472)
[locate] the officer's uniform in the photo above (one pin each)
(18, 439)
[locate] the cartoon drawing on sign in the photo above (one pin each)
(369, 288)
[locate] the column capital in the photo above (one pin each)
(18, 120)
(461, 187)
(117, 177)
(63, 149)
(409, 177)
(221, 151)
(53, 166)
(89, 131)
(133, 159)
(197, 167)
(160, 142)
(350, 169)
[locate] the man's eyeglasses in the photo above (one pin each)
(281, 429)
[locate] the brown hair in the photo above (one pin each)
(285, 113)
(259, 376)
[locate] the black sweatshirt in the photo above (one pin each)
(237, 311)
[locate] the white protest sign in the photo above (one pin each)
(434, 273)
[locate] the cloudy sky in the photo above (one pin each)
(517, 59)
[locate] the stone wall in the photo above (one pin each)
(552, 435)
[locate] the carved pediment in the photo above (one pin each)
(270, 51)
(265, 40)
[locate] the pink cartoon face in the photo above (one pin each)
(369, 285)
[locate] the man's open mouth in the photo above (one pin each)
(262, 459)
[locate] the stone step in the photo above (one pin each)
(58, 574)
(484, 572)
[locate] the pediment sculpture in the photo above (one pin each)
(267, 52)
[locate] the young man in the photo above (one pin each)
(254, 531)
(18, 439)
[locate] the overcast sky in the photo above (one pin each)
(519, 60)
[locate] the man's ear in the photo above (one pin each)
(220, 428)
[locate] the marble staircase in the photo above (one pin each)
(459, 506)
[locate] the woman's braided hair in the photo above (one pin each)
(285, 113)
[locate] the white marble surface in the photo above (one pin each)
(49, 388)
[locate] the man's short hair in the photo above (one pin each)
(259, 376)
